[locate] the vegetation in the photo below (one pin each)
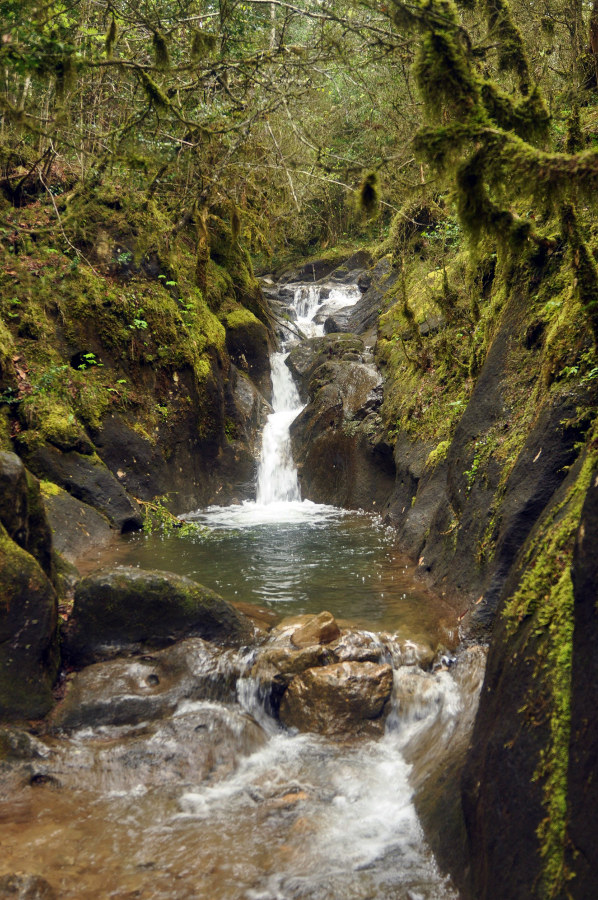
(153, 154)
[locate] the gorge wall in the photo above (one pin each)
(481, 450)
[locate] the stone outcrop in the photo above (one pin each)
(88, 479)
(338, 441)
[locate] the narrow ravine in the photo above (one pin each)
(217, 799)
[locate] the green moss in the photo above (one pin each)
(49, 489)
(546, 595)
(240, 318)
(438, 454)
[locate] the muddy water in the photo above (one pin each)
(208, 804)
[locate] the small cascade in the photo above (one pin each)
(277, 480)
(306, 301)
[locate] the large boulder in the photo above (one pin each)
(124, 609)
(338, 440)
(75, 526)
(89, 480)
(306, 357)
(347, 698)
(28, 635)
(248, 344)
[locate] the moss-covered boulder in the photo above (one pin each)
(28, 636)
(307, 356)
(22, 512)
(125, 609)
(248, 345)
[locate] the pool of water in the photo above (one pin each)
(297, 558)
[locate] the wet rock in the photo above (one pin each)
(22, 512)
(343, 699)
(75, 526)
(248, 344)
(339, 443)
(123, 609)
(118, 692)
(26, 887)
(28, 637)
(321, 629)
(276, 667)
(200, 740)
(314, 270)
(89, 480)
(355, 646)
(16, 744)
(309, 355)
(349, 270)
(129, 691)
(364, 315)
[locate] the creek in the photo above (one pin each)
(217, 800)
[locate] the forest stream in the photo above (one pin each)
(217, 799)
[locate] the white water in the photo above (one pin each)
(277, 482)
(278, 497)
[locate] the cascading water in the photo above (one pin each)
(277, 480)
(210, 799)
(277, 475)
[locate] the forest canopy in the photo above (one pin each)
(285, 111)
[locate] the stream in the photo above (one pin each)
(217, 800)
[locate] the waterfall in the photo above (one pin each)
(277, 475)
(277, 480)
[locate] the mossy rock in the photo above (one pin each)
(124, 609)
(22, 512)
(89, 480)
(28, 635)
(247, 342)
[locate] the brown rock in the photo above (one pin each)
(345, 698)
(321, 629)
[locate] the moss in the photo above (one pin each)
(438, 454)
(546, 594)
(49, 489)
(240, 318)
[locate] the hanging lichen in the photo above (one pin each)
(202, 44)
(368, 198)
(110, 38)
(511, 51)
(154, 94)
(161, 54)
